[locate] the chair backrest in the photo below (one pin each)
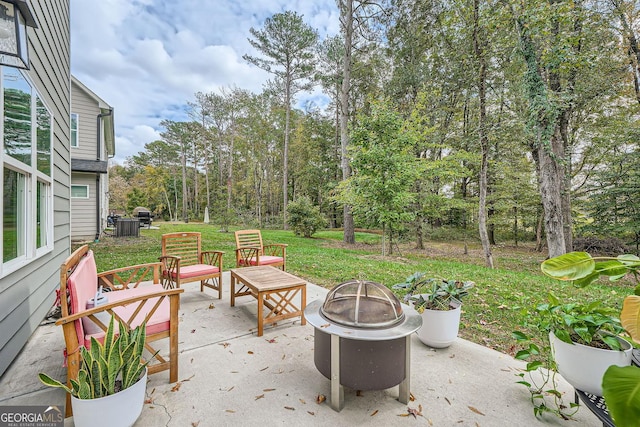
(78, 279)
(248, 238)
(185, 245)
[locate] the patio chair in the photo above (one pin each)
(250, 250)
(183, 261)
(128, 300)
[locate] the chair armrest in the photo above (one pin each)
(108, 307)
(246, 254)
(129, 277)
(275, 249)
(212, 258)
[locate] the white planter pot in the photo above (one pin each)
(118, 410)
(583, 367)
(439, 327)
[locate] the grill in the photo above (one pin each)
(362, 339)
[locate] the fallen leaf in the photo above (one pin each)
(403, 415)
(448, 401)
(195, 424)
(302, 401)
(502, 306)
(320, 398)
(452, 356)
(430, 422)
(264, 369)
(268, 389)
(290, 408)
(283, 356)
(224, 344)
(148, 401)
(412, 398)
(259, 397)
(230, 410)
(272, 340)
(189, 378)
(475, 410)
(235, 372)
(311, 413)
(326, 325)
(211, 306)
(176, 387)
(232, 387)
(153, 391)
(249, 352)
(477, 425)
(415, 412)
(374, 413)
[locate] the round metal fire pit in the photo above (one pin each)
(362, 338)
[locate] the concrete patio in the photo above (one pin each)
(230, 376)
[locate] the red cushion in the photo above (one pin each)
(266, 260)
(159, 322)
(189, 271)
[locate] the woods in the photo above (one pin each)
(504, 121)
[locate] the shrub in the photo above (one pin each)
(304, 218)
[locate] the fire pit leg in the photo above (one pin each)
(405, 386)
(337, 390)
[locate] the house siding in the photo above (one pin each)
(27, 294)
(83, 211)
(87, 110)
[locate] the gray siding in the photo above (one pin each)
(87, 109)
(83, 211)
(27, 294)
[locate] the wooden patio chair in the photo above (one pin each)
(184, 261)
(251, 251)
(128, 300)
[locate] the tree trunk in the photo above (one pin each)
(346, 12)
(479, 47)
(285, 153)
(550, 183)
(185, 216)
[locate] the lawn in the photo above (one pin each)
(496, 306)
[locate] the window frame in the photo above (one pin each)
(36, 181)
(76, 130)
(80, 197)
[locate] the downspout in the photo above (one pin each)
(99, 158)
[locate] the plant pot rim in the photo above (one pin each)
(623, 341)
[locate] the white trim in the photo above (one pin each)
(79, 197)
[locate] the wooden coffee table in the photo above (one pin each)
(274, 289)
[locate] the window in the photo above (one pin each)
(27, 198)
(74, 130)
(79, 191)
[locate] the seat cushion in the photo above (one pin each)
(196, 270)
(267, 260)
(159, 322)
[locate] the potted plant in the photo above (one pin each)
(439, 303)
(112, 379)
(619, 383)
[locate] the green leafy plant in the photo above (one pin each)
(621, 385)
(539, 377)
(304, 218)
(433, 293)
(107, 368)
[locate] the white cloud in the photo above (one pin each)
(147, 58)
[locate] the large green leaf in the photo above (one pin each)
(570, 266)
(621, 390)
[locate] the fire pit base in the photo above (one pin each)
(364, 365)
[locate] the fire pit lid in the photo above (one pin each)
(362, 304)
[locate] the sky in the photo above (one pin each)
(147, 58)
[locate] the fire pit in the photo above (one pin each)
(362, 339)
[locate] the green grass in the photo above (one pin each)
(494, 308)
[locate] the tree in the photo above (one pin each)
(384, 171)
(288, 44)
